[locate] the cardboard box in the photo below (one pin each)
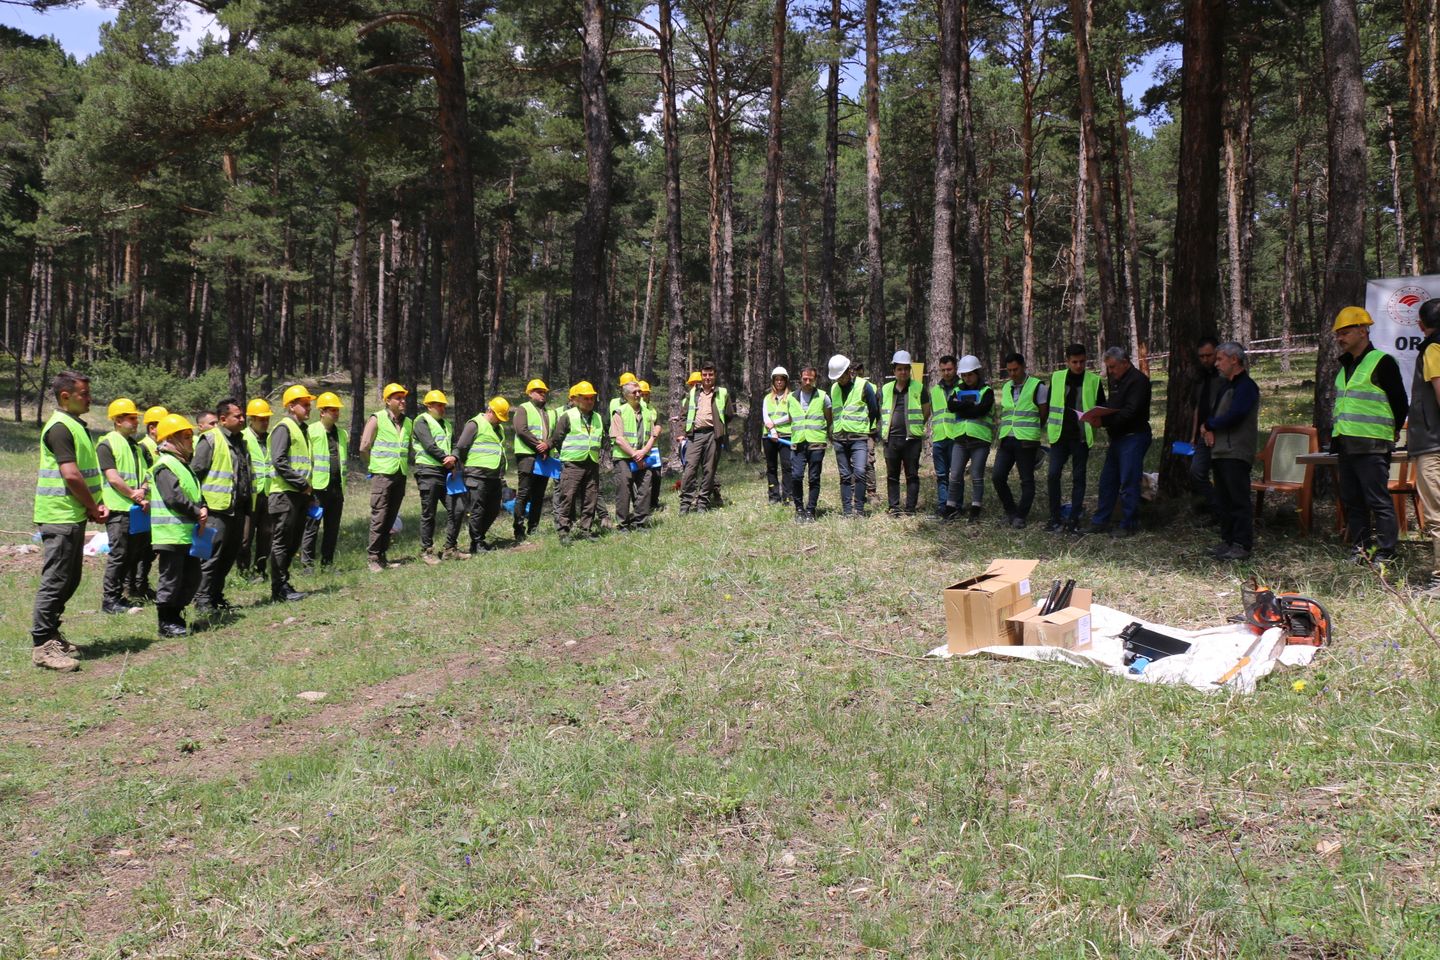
(1068, 627)
(976, 609)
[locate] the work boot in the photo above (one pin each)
(285, 593)
(375, 566)
(50, 655)
(1018, 523)
(519, 533)
(453, 553)
(1236, 552)
(974, 515)
(170, 622)
(1054, 526)
(117, 607)
(429, 557)
(1219, 550)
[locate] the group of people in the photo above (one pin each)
(231, 491)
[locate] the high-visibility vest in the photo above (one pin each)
(1361, 409)
(127, 464)
(150, 446)
(582, 442)
(53, 502)
(390, 454)
(807, 422)
(979, 428)
(778, 410)
(1089, 394)
(1020, 416)
(299, 456)
(914, 408)
(851, 415)
(260, 468)
(722, 396)
(322, 469)
(219, 486)
(166, 527)
(439, 433)
(637, 430)
(487, 452)
(535, 417)
(944, 425)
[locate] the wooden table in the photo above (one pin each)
(1324, 458)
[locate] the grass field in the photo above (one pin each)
(666, 745)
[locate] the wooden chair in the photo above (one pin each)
(1281, 474)
(1402, 487)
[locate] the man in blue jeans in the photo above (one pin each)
(1126, 417)
(943, 429)
(855, 417)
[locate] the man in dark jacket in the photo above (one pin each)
(1126, 416)
(1424, 436)
(228, 499)
(1230, 434)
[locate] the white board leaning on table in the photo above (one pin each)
(1394, 304)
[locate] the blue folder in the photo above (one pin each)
(203, 544)
(139, 519)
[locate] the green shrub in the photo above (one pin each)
(148, 385)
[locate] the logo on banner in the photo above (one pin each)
(1403, 305)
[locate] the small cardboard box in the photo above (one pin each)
(1068, 627)
(976, 609)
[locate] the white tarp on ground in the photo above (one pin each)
(1212, 653)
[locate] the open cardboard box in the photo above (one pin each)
(976, 609)
(1068, 627)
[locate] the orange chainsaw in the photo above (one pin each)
(1303, 620)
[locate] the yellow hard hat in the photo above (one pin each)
(1352, 317)
(391, 389)
(536, 384)
(628, 377)
(328, 399)
(582, 389)
(171, 424)
(644, 387)
(298, 392)
(435, 396)
(501, 408)
(121, 407)
(257, 408)
(155, 415)
(693, 379)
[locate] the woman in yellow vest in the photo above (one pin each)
(177, 511)
(972, 406)
(481, 449)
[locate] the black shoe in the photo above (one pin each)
(973, 516)
(1018, 523)
(1054, 526)
(519, 534)
(120, 607)
(175, 628)
(1121, 533)
(1072, 528)
(286, 594)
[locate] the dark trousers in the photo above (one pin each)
(1013, 452)
(656, 474)
(1078, 453)
(432, 493)
(255, 543)
(940, 456)
(179, 579)
(387, 490)
(1200, 485)
(529, 497)
(1232, 493)
(632, 494)
(967, 458)
(777, 467)
(577, 497)
(698, 490)
(1369, 510)
(64, 552)
(229, 527)
(851, 457)
(902, 453)
(326, 530)
(1120, 480)
(806, 458)
(483, 504)
(287, 513)
(124, 558)
(139, 586)
(870, 487)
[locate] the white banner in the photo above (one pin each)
(1393, 305)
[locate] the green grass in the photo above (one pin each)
(658, 746)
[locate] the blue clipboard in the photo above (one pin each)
(455, 485)
(547, 467)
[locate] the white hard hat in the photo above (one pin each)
(968, 363)
(901, 356)
(779, 372)
(838, 365)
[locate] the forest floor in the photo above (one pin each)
(689, 743)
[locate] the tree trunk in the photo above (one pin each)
(1111, 322)
(1239, 187)
(758, 343)
(502, 264)
(1345, 219)
(359, 309)
(674, 292)
(1397, 197)
(1079, 231)
(828, 327)
(1420, 16)
(942, 338)
(1030, 72)
(588, 302)
(874, 260)
(1291, 297)
(974, 232)
(1192, 305)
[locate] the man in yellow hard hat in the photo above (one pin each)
(329, 449)
(705, 414)
(140, 588)
(481, 449)
(533, 425)
(633, 432)
(385, 442)
(618, 400)
(1370, 408)
(290, 490)
(177, 513)
(434, 461)
(579, 433)
(153, 416)
(222, 466)
(255, 544)
(125, 495)
(67, 495)
(655, 472)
